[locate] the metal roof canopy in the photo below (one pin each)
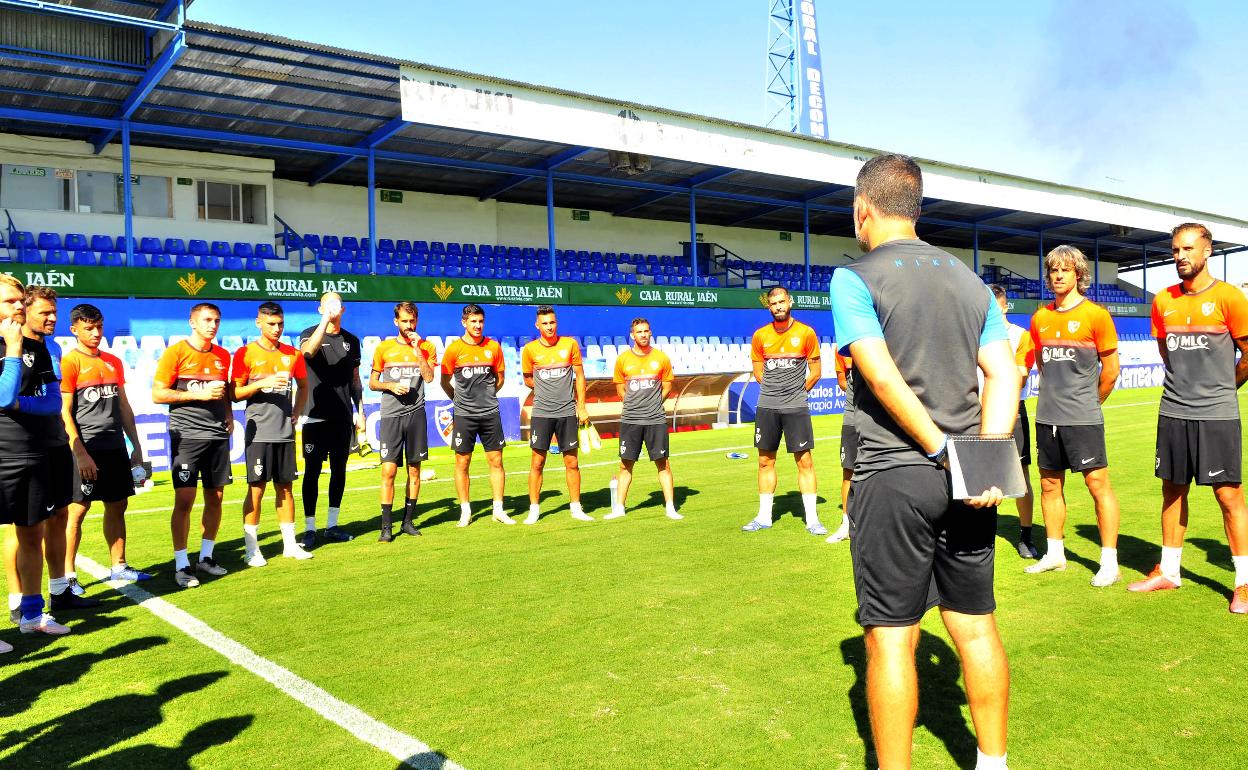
(327, 114)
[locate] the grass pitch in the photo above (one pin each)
(635, 643)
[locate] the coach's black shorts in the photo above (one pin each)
(653, 436)
(563, 429)
(195, 458)
(467, 429)
(271, 461)
(914, 548)
(405, 436)
(327, 438)
(1071, 447)
(769, 424)
(1022, 434)
(849, 445)
(113, 481)
(1208, 450)
(24, 493)
(62, 475)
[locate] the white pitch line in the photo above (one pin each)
(408, 750)
(556, 468)
(1123, 406)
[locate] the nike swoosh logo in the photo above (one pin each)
(1168, 312)
(1086, 460)
(1044, 328)
(50, 507)
(804, 443)
(1211, 475)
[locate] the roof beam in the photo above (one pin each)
(815, 194)
(706, 177)
(168, 57)
(337, 163)
(170, 8)
(550, 164)
(89, 14)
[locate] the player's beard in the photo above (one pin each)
(863, 244)
(780, 316)
(1193, 269)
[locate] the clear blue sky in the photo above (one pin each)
(1145, 99)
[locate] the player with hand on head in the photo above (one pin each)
(335, 414)
(1077, 352)
(1200, 324)
(263, 374)
(1025, 358)
(785, 355)
(553, 371)
(472, 370)
(402, 365)
(192, 377)
(98, 419)
(643, 378)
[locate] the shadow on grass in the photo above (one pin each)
(1141, 555)
(22, 689)
(429, 760)
(66, 739)
(218, 732)
(940, 697)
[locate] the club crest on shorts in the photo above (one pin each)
(444, 420)
(258, 469)
(309, 448)
(87, 487)
(1208, 308)
(184, 475)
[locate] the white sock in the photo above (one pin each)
(465, 509)
(1170, 558)
(250, 537)
(671, 506)
(71, 575)
(179, 559)
(498, 506)
(618, 510)
(1241, 570)
(57, 585)
(1056, 550)
(1109, 558)
(15, 601)
(205, 549)
(575, 507)
(309, 523)
(764, 508)
(288, 536)
(985, 762)
(535, 510)
(808, 505)
(332, 519)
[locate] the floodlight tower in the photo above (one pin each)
(794, 94)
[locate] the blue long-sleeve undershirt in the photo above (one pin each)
(10, 379)
(47, 404)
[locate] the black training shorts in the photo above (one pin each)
(113, 480)
(1208, 450)
(849, 445)
(1071, 447)
(467, 429)
(404, 436)
(794, 424)
(327, 438)
(271, 461)
(194, 458)
(653, 436)
(1022, 435)
(562, 429)
(24, 495)
(914, 548)
(62, 475)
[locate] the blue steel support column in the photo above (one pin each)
(806, 241)
(975, 248)
(1096, 271)
(127, 192)
(1144, 280)
(372, 212)
(1040, 264)
(550, 222)
(693, 234)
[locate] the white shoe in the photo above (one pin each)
(502, 518)
(674, 516)
(255, 559)
(465, 519)
(841, 533)
(1046, 564)
(616, 513)
(296, 552)
(44, 624)
(1105, 577)
(532, 518)
(5, 647)
(582, 516)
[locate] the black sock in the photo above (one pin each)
(385, 515)
(409, 510)
(1024, 535)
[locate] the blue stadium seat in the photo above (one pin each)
(563, 276)
(56, 257)
(420, 247)
(198, 247)
(385, 244)
(485, 250)
(184, 262)
(265, 251)
(49, 241)
(348, 242)
(470, 250)
(437, 247)
(485, 272)
(453, 248)
(221, 249)
(139, 259)
(403, 246)
(209, 262)
(528, 252)
(256, 265)
(660, 280)
(243, 250)
(533, 275)
(511, 251)
(309, 241)
(361, 268)
(85, 258)
(76, 242)
(161, 259)
(469, 271)
(630, 278)
(146, 245)
(112, 259)
(420, 271)
(175, 246)
(29, 256)
(516, 274)
(339, 268)
(448, 260)
(331, 242)
(452, 271)
(23, 239)
(103, 243)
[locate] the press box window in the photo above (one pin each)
(35, 187)
(103, 193)
(228, 202)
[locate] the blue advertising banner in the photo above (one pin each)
(814, 120)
